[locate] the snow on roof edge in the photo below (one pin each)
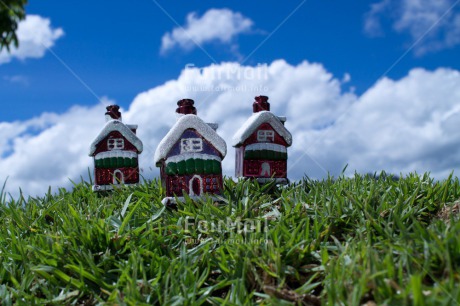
(255, 121)
(116, 125)
(189, 122)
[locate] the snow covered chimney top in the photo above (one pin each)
(185, 107)
(260, 104)
(113, 113)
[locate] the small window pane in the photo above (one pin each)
(115, 144)
(191, 145)
(265, 135)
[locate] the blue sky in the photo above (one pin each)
(114, 48)
(332, 65)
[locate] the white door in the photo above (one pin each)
(265, 170)
(195, 186)
(118, 177)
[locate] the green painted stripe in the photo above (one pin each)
(265, 154)
(194, 166)
(208, 167)
(116, 162)
(181, 168)
(199, 166)
(216, 168)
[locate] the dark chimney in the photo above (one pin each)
(185, 107)
(113, 113)
(260, 104)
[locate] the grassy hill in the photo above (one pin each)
(349, 241)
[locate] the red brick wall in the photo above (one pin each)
(105, 176)
(176, 185)
(264, 126)
(253, 168)
(102, 146)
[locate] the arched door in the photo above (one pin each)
(266, 171)
(195, 185)
(118, 177)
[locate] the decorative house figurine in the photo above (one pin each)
(115, 151)
(261, 145)
(190, 156)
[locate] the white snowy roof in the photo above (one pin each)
(116, 153)
(185, 156)
(116, 125)
(266, 146)
(251, 125)
(189, 122)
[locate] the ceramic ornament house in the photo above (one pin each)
(190, 156)
(261, 145)
(115, 151)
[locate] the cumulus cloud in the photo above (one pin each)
(396, 125)
(47, 150)
(221, 25)
(399, 126)
(438, 22)
(35, 36)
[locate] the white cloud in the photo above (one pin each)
(46, 151)
(17, 79)
(221, 25)
(400, 126)
(397, 125)
(372, 24)
(35, 35)
(438, 22)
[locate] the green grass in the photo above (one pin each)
(348, 241)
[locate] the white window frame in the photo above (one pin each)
(191, 145)
(265, 135)
(115, 144)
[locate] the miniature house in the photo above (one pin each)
(190, 156)
(115, 151)
(261, 145)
